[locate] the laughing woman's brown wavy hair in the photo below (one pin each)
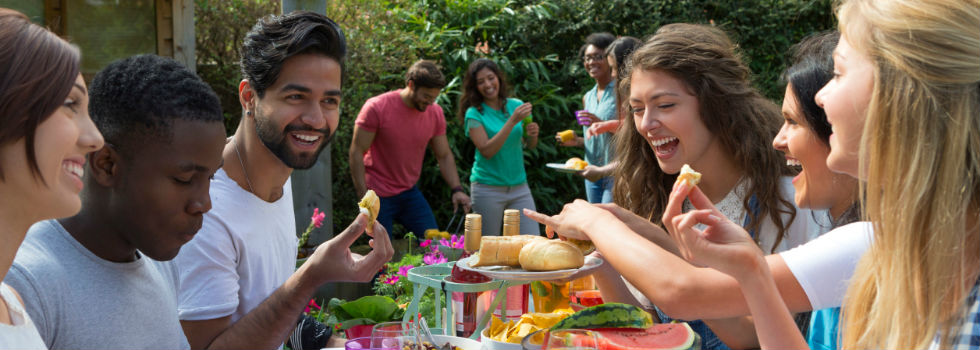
(733, 111)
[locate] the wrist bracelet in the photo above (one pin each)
(457, 189)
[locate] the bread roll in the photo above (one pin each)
(370, 205)
(550, 255)
(501, 250)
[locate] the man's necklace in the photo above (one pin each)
(244, 171)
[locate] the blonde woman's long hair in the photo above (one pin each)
(920, 155)
(733, 111)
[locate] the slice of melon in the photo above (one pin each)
(664, 336)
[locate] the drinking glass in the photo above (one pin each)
(571, 339)
(391, 335)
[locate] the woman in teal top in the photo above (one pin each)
(600, 106)
(499, 127)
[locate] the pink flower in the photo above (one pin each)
(458, 241)
(311, 304)
(404, 270)
(318, 217)
(425, 243)
(392, 279)
(434, 258)
(443, 242)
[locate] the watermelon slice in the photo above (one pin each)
(664, 336)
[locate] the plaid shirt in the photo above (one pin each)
(969, 334)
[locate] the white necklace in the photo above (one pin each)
(244, 171)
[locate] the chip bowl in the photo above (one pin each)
(488, 343)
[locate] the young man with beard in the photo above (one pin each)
(238, 288)
(103, 278)
(390, 137)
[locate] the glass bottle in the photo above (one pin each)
(517, 296)
(467, 306)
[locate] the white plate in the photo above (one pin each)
(562, 168)
(463, 343)
(518, 274)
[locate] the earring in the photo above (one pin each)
(249, 113)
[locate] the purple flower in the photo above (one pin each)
(443, 242)
(404, 270)
(392, 279)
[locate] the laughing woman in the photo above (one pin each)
(45, 134)
(687, 91)
(496, 125)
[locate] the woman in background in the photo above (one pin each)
(599, 105)
(45, 134)
(497, 126)
(616, 54)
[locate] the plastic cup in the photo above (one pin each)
(583, 120)
(390, 335)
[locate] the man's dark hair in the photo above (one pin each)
(141, 96)
(600, 40)
(276, 38)
(425, 74)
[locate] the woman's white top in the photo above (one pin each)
(21, 334)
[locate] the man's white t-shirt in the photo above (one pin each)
(245, 250)
(824, 266)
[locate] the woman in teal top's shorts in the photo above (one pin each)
(499, 127)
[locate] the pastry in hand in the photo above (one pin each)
(550, 255)
(687, 174)
(370, 205)
(501, 250)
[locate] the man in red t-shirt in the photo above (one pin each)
(390, 137)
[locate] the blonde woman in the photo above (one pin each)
(904, 106)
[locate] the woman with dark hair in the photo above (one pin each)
(599, 105)
(497, 126)
(804, 139)
(617, 55)
(45, 134)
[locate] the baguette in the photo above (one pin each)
(550, 255)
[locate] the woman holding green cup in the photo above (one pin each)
(500, 127)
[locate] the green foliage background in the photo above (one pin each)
(535, 41)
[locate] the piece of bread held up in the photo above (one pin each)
(370, 205)
(687, 174)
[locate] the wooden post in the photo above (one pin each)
(312, 188)
(184, 45)
(318, 6)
